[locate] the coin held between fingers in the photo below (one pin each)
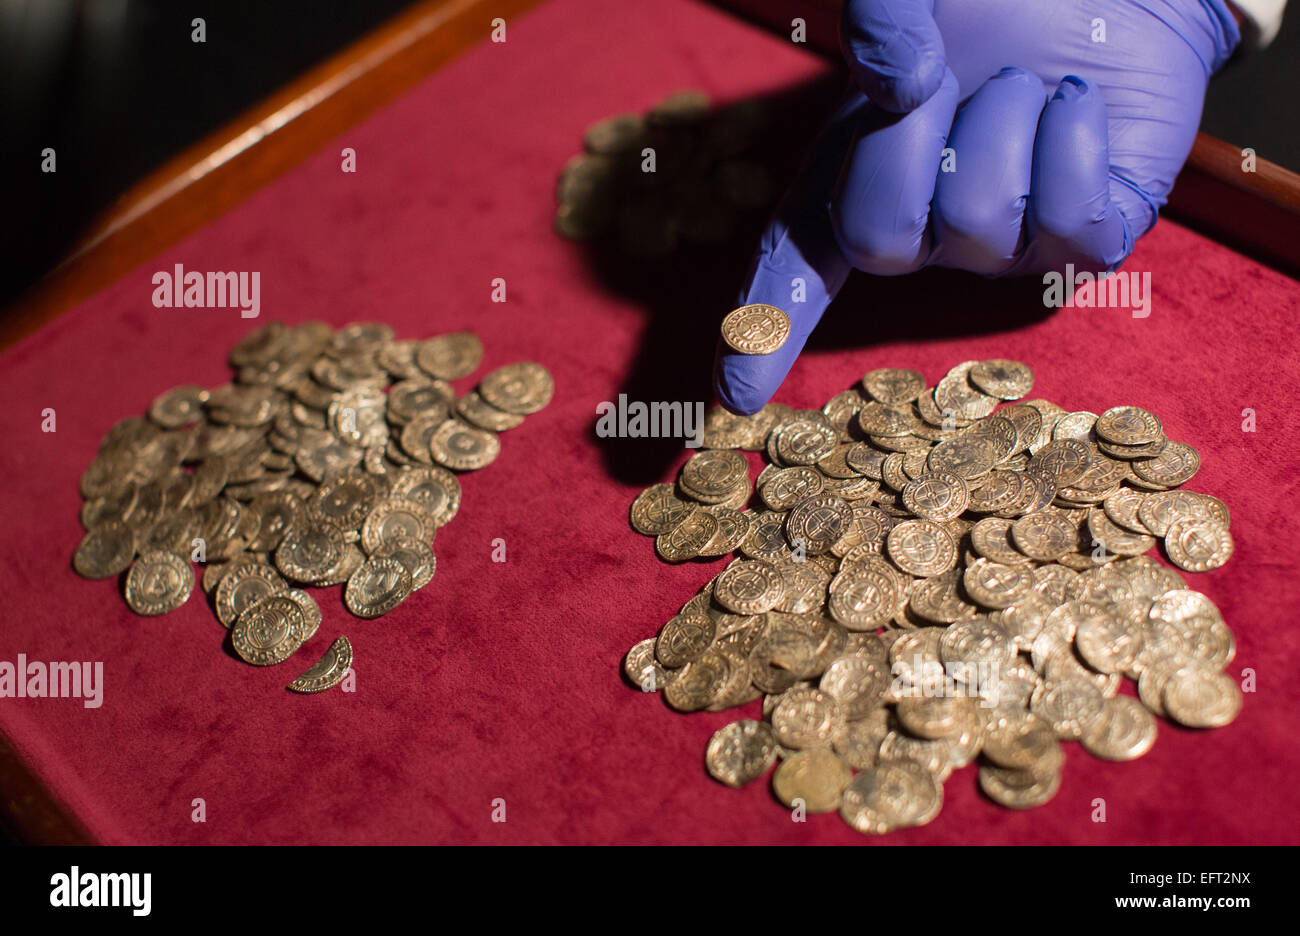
(755, 329)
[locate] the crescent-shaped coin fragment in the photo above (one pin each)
(328, 671)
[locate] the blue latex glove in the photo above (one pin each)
(1065, 149)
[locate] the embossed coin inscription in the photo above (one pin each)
(159, 582)
(520, 389)
(741, 752)
(921, 547)
(755, 329)
(929, 579)
(892, 386)
(270, 631)
(377, 587)
(328, 671)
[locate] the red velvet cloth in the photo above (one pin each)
(501, 680)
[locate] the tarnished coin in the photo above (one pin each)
(893, 386)
(279, 511)
(786, 487)
(1109, 643)
(398, 358)
(1069, 707)
(1018, 789)
(803, 441)
(415, 436)
(461, 447)
(1115, 538)
(766, 539)
(685, 639)
(813, 779)
(936, 495)
(868, 527)
(1198, 545)
(245, 583)
(921, 547)
(733, 528)
(857, 682)
(114, 506)
(644, 670)
(685, 540)
(307, 552)
(1124, 731)
(434, 488)
(521, 388)
(269, 632)
(858, 745)
(358, 417)
(1216, 508)
(935, 757)
(311, 613)
(807, 718)
(893, 794)
(749, 586)
(1080, 425)
(478, 412)
(710, 476)
(995, 585)
(1043, 535)
(936, 717)
(1122, 508)
(1024, 620)
(1027, 421)
(416, 555)
(179, 406)
(361, 338)
(977, 642)
(940, 599)
(159, 582)
(817, 522)
(450, 356)
(345, 500)
(1062, 460)
(1133, 452)
(394, 520)
(1175, 465)
(968, 457)
(740, 752)
(878, 419)
(864, 597)
(1024, 743)
(1199, 697)
(328, 671)
(698, 682)
(105, 551)
(755, 329)
(957, 398)
(1159, 510)
(381, 584)
(1129, 425)
(1006, 380)
(803, 586)
(658, 509)
(1001, 490)
(350, 559)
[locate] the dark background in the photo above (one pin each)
(117, 86)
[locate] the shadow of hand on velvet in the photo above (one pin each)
(645, 243)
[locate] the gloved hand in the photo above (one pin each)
(1066, 122)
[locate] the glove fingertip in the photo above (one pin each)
(737, 391)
